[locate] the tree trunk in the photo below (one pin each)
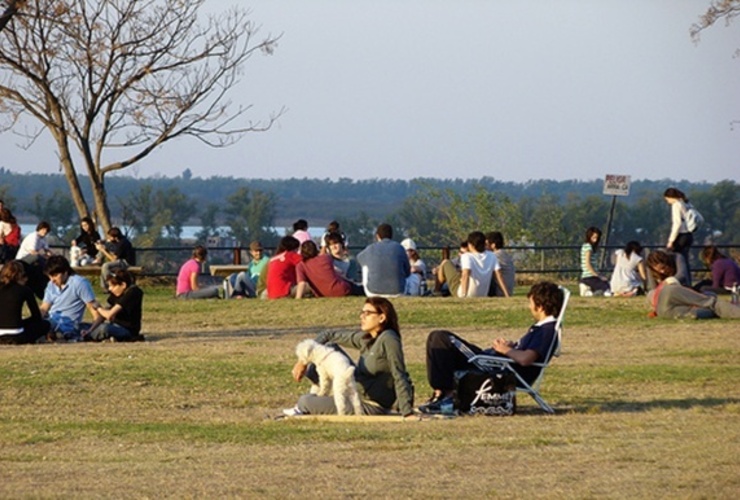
(10, 11)
(71, 174)
(100, 198)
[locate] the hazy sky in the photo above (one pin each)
(512, 89)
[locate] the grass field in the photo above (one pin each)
(645, 408)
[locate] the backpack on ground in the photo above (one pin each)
(485, 393)
(693, 218)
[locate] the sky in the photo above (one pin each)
(514, 90)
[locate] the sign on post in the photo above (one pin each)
(617, 185)
(614, 185)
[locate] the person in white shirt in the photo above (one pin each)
(680, 238)
(34, 246)
(477, 267)
(629, 276)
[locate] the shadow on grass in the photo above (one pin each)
(620, 406)
(255, 332)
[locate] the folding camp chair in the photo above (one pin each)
(489, 362)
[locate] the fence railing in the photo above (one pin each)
(557, 260)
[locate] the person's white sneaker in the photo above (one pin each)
(292, 412)
(228, 289)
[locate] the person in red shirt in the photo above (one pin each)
(281, 275)
(317, 273)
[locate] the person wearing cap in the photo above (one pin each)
(244, 284)
(418, 269)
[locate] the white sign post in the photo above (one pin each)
(614, 185)
(617, 185)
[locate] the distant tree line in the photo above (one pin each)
(434, 212)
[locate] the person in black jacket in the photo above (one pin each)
(119, 253)
(14, 329)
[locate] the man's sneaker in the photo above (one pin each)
(292, 412)
(228, 289)
(439, 406)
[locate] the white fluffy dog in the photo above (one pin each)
(336, 375)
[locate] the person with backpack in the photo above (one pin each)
(680, 237)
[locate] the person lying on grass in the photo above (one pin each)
(382, 378)
(444, 358)
(670, 299)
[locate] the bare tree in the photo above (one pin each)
(112, 80)
(9, 9)
(718, 9)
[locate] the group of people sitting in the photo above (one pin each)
(65, 299)
(630, 276)
(300, 268)
(87, 249)
(30, 270)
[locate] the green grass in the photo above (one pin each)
(645, 407)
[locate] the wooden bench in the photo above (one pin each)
(226, 269)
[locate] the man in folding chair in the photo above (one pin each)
(444, 358)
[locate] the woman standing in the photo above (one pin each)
(382, 378)
(680, 238)
(13, 294)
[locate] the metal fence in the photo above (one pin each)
(560, 261)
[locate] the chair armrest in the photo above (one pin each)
(489, 361)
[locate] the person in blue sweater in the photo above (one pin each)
(385, 265)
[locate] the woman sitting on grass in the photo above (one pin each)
(188, 286)
(628, 278)
(670, 299)
(280, 274)
(382, 378)
(725, 272)
(316, 273)
(121, 321)
(14, 329)
(589, 275)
